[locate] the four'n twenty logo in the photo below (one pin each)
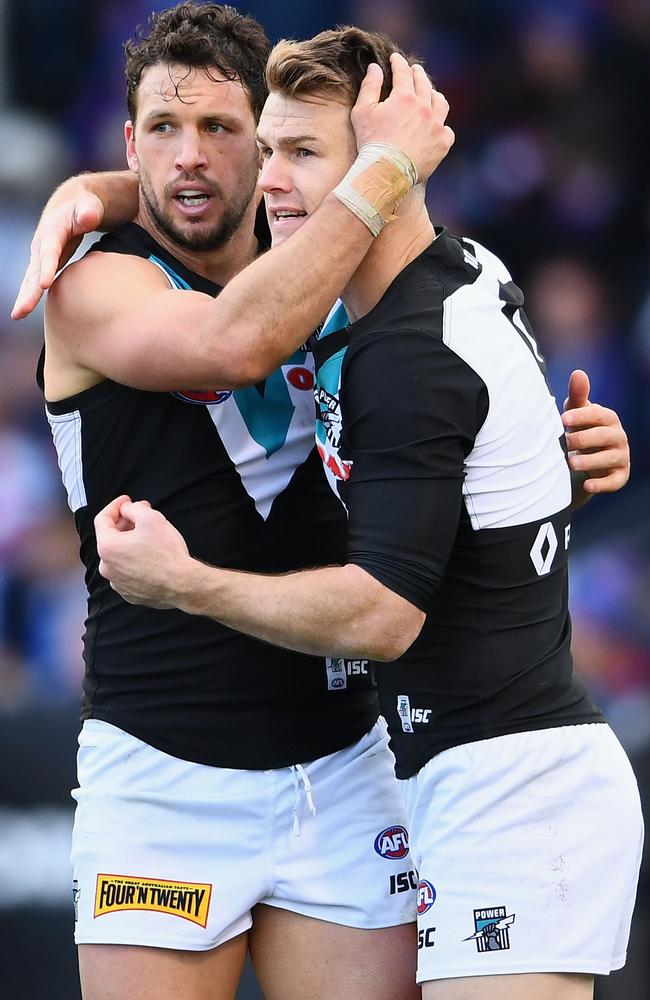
(190, 900)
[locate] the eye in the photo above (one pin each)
(161, 128)
(215, 128)
(265, 152)
(302, 152)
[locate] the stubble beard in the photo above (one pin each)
(201, 239)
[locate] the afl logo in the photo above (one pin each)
(300, 378)
(392, 843)
(203, 398)
(426, 896)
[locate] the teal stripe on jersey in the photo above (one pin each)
(268, 413)
(178, 281)
(337, 320)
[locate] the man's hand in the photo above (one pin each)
(412, 117)
(79, 206)
(141, 554)
(57, 236)
(596, 440)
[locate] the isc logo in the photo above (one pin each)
(402, 882)
(392, 843)
(420, 714)
(356, 667)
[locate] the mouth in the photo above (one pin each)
(192, 202)
(282, 219)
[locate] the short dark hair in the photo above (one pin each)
(332, 63)
(209, 36)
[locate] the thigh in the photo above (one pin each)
(301, 958)
(549, 986)
(122, 972)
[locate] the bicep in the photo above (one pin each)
(413, 409)
(118, 317)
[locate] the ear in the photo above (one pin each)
(131, 155)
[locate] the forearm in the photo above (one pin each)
(336, 611)
(274, 305)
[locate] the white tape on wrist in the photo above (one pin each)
(376, 211)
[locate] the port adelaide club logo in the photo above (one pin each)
(392, 843)
(492, 929)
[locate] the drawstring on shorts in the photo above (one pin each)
(299, 775)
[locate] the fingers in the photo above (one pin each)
(57, 237)
(107, 519)
(603, 460)
(402, 75)
(592, 415)
(578, 390)
(421, 83)
(30, 291)
(136, 511)
(87, 215)
(370, 89)
(597, 438)
(607, 482)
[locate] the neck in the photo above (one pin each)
(403, 239)
(218, 265)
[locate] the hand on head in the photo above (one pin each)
(412, 117)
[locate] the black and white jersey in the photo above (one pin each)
(237, 474)
(438, 432)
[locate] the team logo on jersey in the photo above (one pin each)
(76, 892)
(492, 929)
(329, 419)
(329, 411)
(392, 843)
(404, 712)
(426, 896)
(206, 398)
(337, 677)
(189, 900)
(300, 378)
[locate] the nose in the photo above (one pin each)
(191, 154)
(275, 174)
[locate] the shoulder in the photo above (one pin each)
(100, 282)
(486, 259)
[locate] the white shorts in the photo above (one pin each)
(173, 854)
(528, 849)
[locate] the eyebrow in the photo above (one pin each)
(160, 114)
(288, 140)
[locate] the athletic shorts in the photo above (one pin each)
(173, 854)
(528, 849)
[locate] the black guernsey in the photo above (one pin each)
(438, 432)
(237, 474)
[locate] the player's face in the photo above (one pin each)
(306, 148)
(193, 147)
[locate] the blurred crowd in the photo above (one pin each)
(549, 104)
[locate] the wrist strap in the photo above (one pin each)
(380, 177)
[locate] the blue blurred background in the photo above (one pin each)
(549, 102)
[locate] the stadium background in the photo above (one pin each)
(550, 103)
